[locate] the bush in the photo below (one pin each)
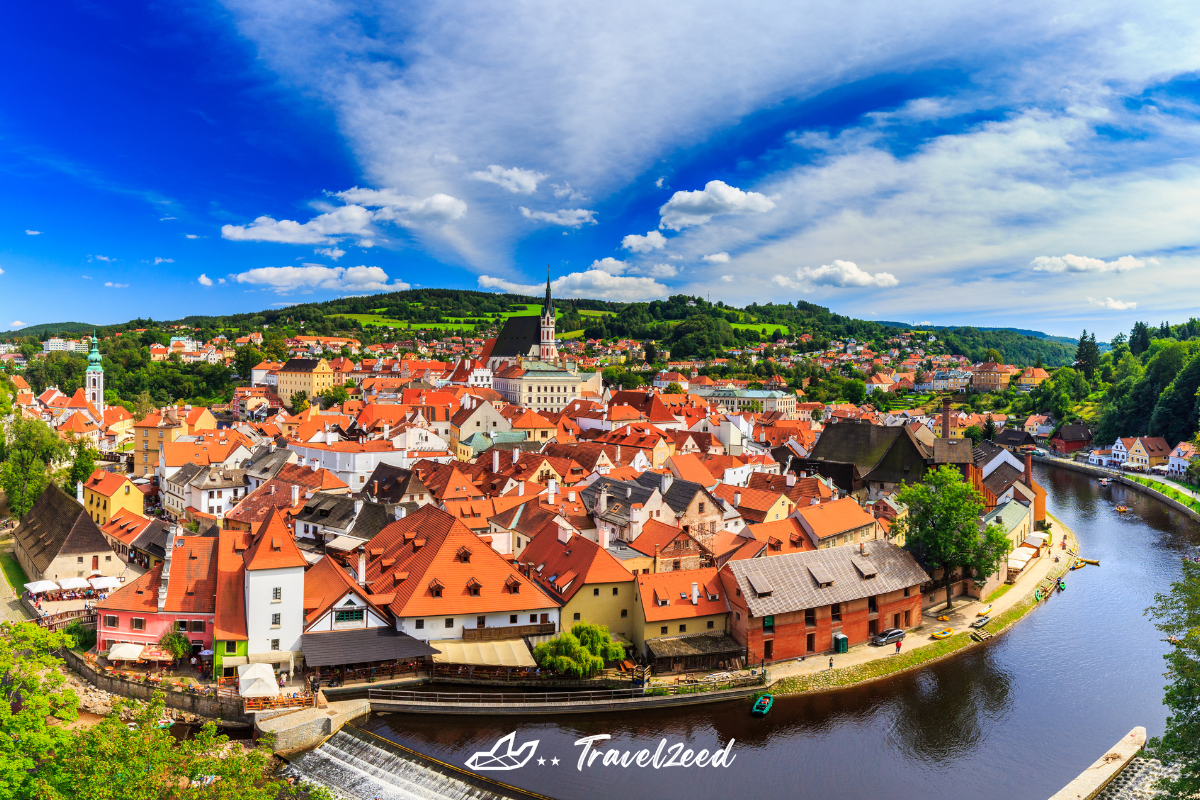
(580, 653)
(83, 638)
(175, 643)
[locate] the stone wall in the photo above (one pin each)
(1100, 472)
(227, 710)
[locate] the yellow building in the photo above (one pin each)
(679, 603)
(105, 493)
(149, 436)
(309, 375)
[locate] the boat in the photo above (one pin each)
(1093, 561)
(1062, 585)
(944, 618)
(1105, 481)
(1122, 509)
(983, 612)
(1038, 595)
(1078, 565)
(980, 622)
(165, 722)
(762, 705)
(943, 633)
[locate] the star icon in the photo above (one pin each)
(554, 761)
(541, 762)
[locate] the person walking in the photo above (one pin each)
(831, 662)
(897, 647)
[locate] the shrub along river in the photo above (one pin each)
(1018, 717)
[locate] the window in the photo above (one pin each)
(769, 623)
(595, 592)
(276, 594)
(108, 558)
(420, 624)
(614, 591)
(111, 621)
(810, 642)
(577, 616)
(274, 644)
(907, 591)
(532, 618)
(137, 624)
(908, 619)
(349, 615)
(449, 622)
(683, 628)
(702, 508)
(872, 605)
(810, 616)
(624, 613)
(710, 624)
(663, 630)
(276, 620)
(512, 619)
(196, 626)
(230, 647)
(79, 560)
(835, 612)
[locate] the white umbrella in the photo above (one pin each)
(73, 583)
(125, 651)
(105, 583)
(257, 680)
(37, 587)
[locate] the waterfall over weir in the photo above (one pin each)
(354, 764)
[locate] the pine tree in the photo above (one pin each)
(1139, 338)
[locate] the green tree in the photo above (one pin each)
(942, 528)
(30, 447)
(1087, 355)
(974, 433)
(579, 653)
(175, 643)
(83, 463)
(335, 395)
(142, 405)
(299, 401)
(245, 359)
(989, 428)
(854, 391)
(673, 388)
(993, 354)
(1139, 338)
(1177, 615)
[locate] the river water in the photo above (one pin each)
(1018, 717)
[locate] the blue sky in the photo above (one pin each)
(1016, 163)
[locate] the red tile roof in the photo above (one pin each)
(273, 546)
(675, 588)
(230, 619)
(105, 483)
(552, 560)
(191, 587)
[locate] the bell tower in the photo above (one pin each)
(94, 379)
(548, 352)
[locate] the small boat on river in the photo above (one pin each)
(983, 612)
(1122, 509)
(762, 705)
(1105, 481)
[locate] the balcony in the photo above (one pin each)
(507, 631)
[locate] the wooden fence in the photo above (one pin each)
(507, 632)
(274, 703)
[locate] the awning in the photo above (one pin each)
(37, 587)
(257, 680)
(125, 651)
(280, 657)
(503, 653)
(345, 544)
(105, 583)
(155, 653)
(74, 583)
(360, 646)
(234, 661)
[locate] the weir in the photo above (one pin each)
(354, 763)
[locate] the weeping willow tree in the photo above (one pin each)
(580, 652)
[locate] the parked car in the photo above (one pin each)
(887, 637)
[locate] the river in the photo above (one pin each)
(1018, 717)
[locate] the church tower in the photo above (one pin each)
(94, 379)
(548, 351)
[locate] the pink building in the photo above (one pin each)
(178, 594)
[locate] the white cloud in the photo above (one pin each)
(841, 274)
(351, 220)
(220, 280)
(685, 209)
(331, 252)
(204, 280)
(116, 285)
(567, 217)
(191, 236)
(658, 184)
(158, 261)
(86, 277)
(32, 233)
(565, 190)
(592, 283)
(610, 265)
(727, 278)
(16, 324)
(437, 209)
(315, 276)
(660, 270)
(164, 219)
(1072, 263)
(1115, 305)
(100, 258)
(653, 240)
(717, 258)
(514, 179)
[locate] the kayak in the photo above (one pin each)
(1078, 565)
(1093, 561)
(943, 633)
(762, 705)
(983, 612)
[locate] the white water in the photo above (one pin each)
(355, 768)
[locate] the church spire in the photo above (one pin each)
(549, 309)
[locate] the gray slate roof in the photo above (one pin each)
(57, 525)
(793, 587)
(679, 494)
(622, 496)
(359, 646)
(517, 336)
(1001, 478)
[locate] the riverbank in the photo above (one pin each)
(864, 664)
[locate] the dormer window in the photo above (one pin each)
(473, 587)
(464, 555)
(514, 585)
(435, 587)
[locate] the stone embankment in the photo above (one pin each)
(97, 701)
(1093, 780)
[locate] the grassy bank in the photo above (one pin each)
(1167, 491)
(918, 656)
(12, 569)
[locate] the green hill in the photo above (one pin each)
(48, 329)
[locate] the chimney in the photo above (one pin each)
(521, 489)
(358, 504)
(571, 496)
(618, 455)
(791, 479)
(516, 453)
(603, 501)
(1028, 478)
(737, 499)
(271, 446)
(657, 549)
(551, 490)
(398, 512)
(666, 481)
(695, 593)
(272, 488)
(375, 488)
(946, 417)
(495, 460)
(79, 492)
(295, 494)
(635, 521)
(564, 534)
(387, 429)
(316, 464)
(362, 566)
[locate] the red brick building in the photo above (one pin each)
(792, 605)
